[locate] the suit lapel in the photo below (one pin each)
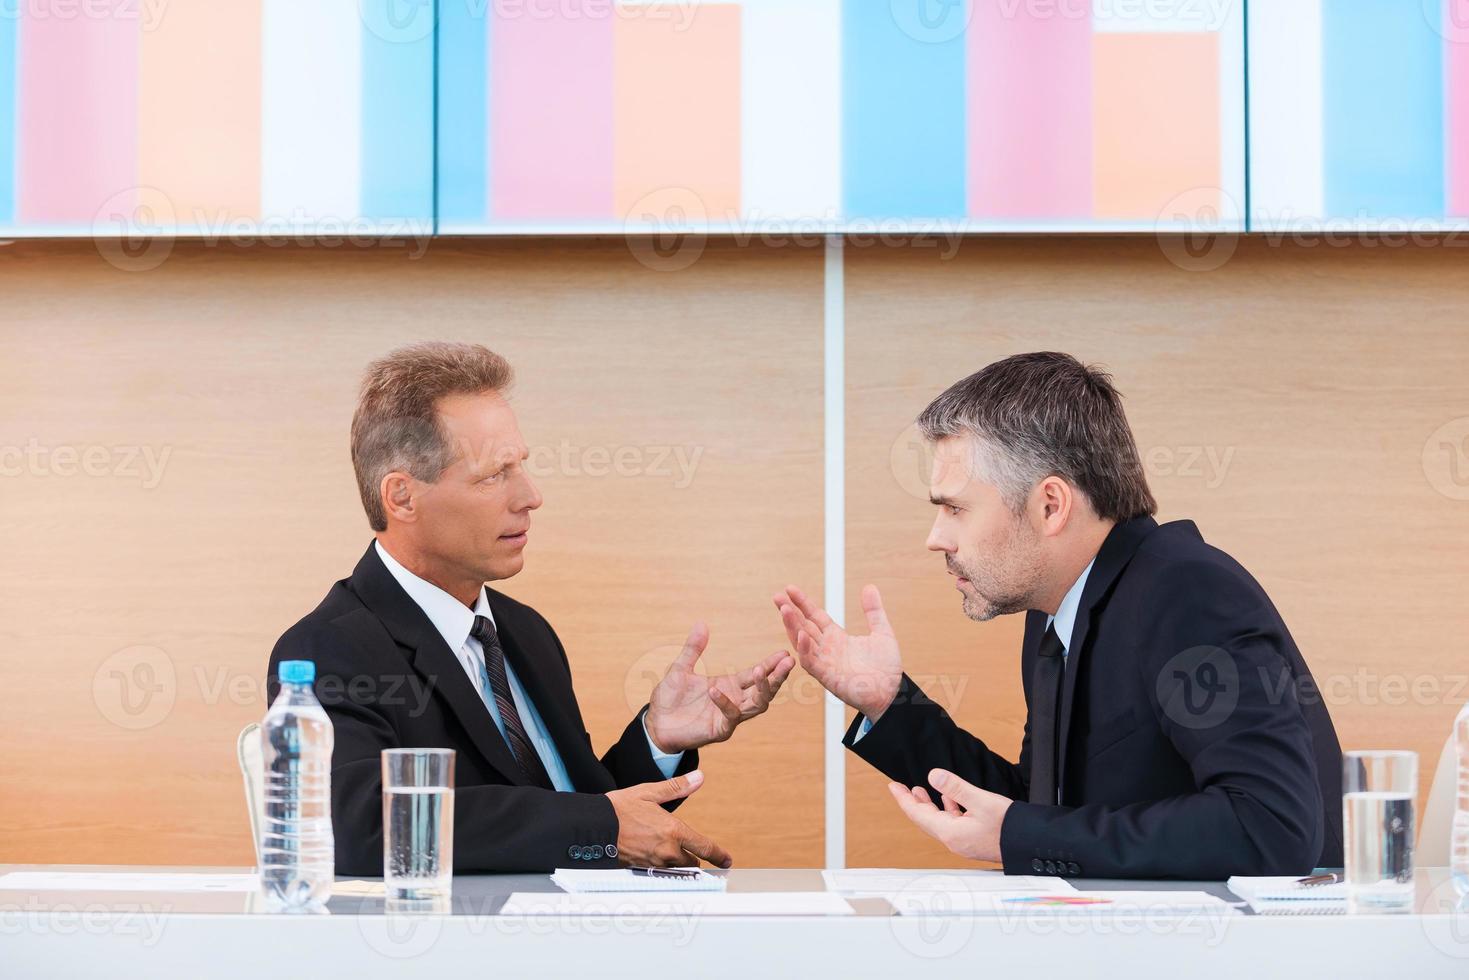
(1116, 551)
(537, 666)
(432, 659)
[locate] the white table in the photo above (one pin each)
(69, 934)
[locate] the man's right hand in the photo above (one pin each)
(649, 836)
(863, 671)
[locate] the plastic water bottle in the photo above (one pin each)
(1459, 846)
(297, 856)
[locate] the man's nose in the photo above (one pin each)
(530, 497)
(938, 541)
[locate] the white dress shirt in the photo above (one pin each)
(454, 620)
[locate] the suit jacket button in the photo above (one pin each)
(1074, 868)
(612, 850)
(597, 851)
(1050, 867)
(1037, 865)
(574, 852)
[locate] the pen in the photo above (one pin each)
(667, 872)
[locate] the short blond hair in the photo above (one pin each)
(396, 425)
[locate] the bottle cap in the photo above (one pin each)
(297, 671)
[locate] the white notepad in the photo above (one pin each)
(690, 905)
(1027, 904)
(885, 882)
(129, 881)
(1286, 896)
(580, 880)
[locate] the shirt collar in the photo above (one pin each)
(1065, 618)
(450, 617)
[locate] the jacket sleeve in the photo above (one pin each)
(915, 735)
(1221, 686)
(496, 828)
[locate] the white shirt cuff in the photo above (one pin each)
(666, 762)
(862, 729)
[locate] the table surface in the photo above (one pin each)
(67, 933)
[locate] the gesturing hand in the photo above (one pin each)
(648, 836)
(863, 671)
(969, 824)
(688, 710)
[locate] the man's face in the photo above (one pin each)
(476, 516)
(993, 553)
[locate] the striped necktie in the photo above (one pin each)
(497, 685)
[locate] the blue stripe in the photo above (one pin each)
(1383, 119)
(463, 112)
(903, 117)
(9, 70)
(398, 110)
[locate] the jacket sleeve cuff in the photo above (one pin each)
(1026, 847)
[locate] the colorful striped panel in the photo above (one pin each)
(1358, 114)
(201, 117)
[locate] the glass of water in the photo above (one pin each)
(418, 824)
(1377, 817)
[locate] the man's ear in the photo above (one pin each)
(397, 493)
(1056, 500)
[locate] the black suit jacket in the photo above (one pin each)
(388, 680)
(1193, 740)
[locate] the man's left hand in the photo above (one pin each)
(688, 710)
(969, 823)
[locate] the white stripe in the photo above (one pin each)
(836, 539)
(791, 101)
(1232, 120)
(1163, 16)
(1286, 101)
(311, 140)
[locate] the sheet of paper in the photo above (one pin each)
(623, 880)
(128, 881)
(1161, 903)
(353, 886)
(882, 882)
(683, 905)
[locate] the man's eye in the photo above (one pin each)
(953, 511)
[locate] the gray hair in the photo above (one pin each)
(1046, 414)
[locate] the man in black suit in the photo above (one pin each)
(1173, 729)
(413, 650)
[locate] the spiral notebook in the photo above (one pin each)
(1286, 896)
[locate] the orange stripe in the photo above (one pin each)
(1156, 122)
(677, 112)
(199, 112)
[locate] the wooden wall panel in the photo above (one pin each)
(1307, 407)
(676, 419)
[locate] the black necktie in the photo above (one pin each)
(1045, 700)
(520, 743)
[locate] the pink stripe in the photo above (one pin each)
(551, 110)
(1456, 110)
(1030, 123)
(78, 114)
